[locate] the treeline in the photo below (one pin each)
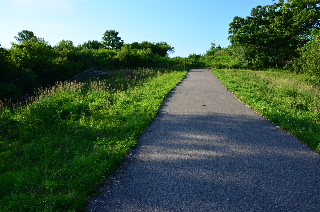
(274, 35)
(32, 62)
(282, 35)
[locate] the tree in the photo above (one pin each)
(213, 50)
(273, 33)
(112, 40)
(24, 35)
(91, 44)
(195, 60)
(65, 44)
(9, 76)
(34, 56)
(161, 48)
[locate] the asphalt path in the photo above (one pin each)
(207, 151)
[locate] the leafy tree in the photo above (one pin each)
(3, 59)
(161, 48)
(91, 44)
(112, 40)
(5, 65)
(104, 58)
(8, 76)
(66, 60)
(273, 33)
(133, 58)
(65, 44)
(34, 56)
(195, 60)
(213, 50)
(24, 35)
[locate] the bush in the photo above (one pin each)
(218, 57)
(35, 55)
(195, 61)
(32, 62)
(133, 58)
(309, 62)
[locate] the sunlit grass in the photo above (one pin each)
(283, 97)
(56, 151)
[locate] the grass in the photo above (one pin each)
(282, 97)
(56, 151)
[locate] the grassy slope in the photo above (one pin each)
(282, 97)
(56, 151)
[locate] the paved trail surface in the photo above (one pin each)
(206, 151)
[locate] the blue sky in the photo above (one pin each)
(188, 25)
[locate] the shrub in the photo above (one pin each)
(309, 62)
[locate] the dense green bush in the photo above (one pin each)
(194, 61)
(309, 61)
(8, 87)
(132, 58)
(218, 57)
(223, 61)
(32, 62)
(35, 56)
(161, 49)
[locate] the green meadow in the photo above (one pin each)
(57, 150)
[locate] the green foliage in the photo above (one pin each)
(282, 97)
(161, 48)
(273, 33)
(91, 44)
(7, 76)
(309, 62)
(213, 50)
(66, 61)
(65, 45)
(101, 58)
(104, 58)
(24, 35)
(218, 57)
(112, 40)
(194, 60)
(56, 151)
(223, 61)
(32, 62)
(34, 56)
(31, 65)
(129, 57)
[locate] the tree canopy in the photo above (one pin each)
(112, 40)
(92, 44)
(32, 62)
(24, 35)
(161, 48)
(271, 35)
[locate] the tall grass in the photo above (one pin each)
(283, 97)
(56, 151)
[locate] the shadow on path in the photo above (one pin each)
(217, 161)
